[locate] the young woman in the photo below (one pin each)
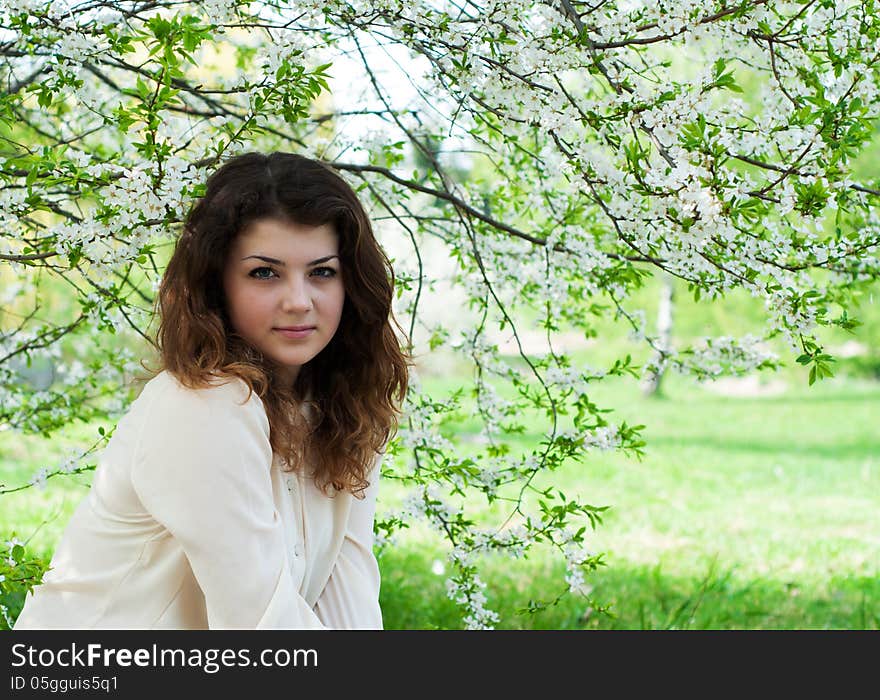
(239, 490)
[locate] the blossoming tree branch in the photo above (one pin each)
(559, 152)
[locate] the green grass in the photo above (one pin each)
(641, 596)
(745, 513)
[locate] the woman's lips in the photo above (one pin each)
(294, 332)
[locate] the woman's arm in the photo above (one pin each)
(350, 600)
(202, 469)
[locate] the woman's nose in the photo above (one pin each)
(296, 297)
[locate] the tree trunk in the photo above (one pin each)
(651, 383)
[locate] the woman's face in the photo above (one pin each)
(284, 291)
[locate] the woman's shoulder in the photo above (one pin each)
(182, 432)
(218, 390)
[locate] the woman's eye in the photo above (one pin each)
(257, 273)
(324, 271)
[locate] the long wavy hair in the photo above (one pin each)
(354, 387)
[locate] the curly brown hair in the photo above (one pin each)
(355, 385)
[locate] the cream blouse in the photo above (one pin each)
(191, 523)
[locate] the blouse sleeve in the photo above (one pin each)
(350, 600)
(202, 469)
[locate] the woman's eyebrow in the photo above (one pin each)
(265, 259)
(275, 261)
(322, 260)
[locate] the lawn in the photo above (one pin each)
(754, 512)
(747, 512)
